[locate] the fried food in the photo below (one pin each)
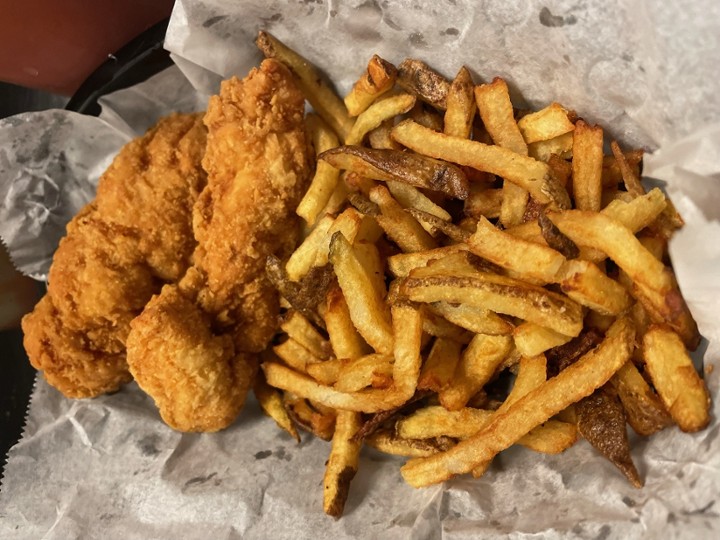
(194, 348)
(118, 252)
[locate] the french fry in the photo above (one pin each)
(532, 340)
(295, 355)
(611, 175)
(402, 264)
(414, 169)
(349, 223)
(454, 232)
(405, 231)
(345, 340)
(555, 239)
(426, 116)
(476, 367)
(438, 369)
(545, 124)
(672, 373)
(497, 293)
(570, 385)
(312, 83)
(483, 202)
(411, 197)
(326, 176)
(303, 258)
(436, 421)
(475, 319)
(376, 114)
(390, 443)
(271, 403)
(342, 463)
(327, 371)
(319, 422)
(365, 304)
(371, 370)
(560, 146)
(379, 78)
(300, 330)
(532, 175)
(589, 286)
(496, 111)
(440, 327)
(407, 329)
(380, 138)
(587, 166)
(644, 411)
(420, 80)
(460, 105)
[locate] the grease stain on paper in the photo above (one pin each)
(555, 21)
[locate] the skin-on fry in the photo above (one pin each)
(545, 124)
(555, 239)
(644, 411)
(532, 175)
(378, 79)
(577, 381)
(587, 166)
(326, 176)
(342, 463)
(376, 114)
(349, 224)
(496, 111)
(476, 367)
(419, 79)
(475, 319)
(312, 83)
(414, 169)
(672, 373)
(271, 403)
(497, 293)
(411, 197)
(405, 231)
(365, 304)
(460, 106)
(321, 423)
(389, 443)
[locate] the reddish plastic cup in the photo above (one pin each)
(53, 45)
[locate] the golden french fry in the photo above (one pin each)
(460, 106)
(532, 340)
(295, 355)
(496, 111)
(475, 319)
(345, 340)
(560, 146)
(312, 83)
(327, 371)
(389, 443)
(365, 304)
(379, 78)
(342, 463)
(484, 201)
(436, 421)
(545, 124)
(587, 166)
(405, 231)
(380, 138)
(407, 329)
(326, 176)
(309, 416)
(611, 175)
(303, 258)
(302, 331)
(411, 197)
(570, 385)
(349, 223)
(476, 367)
(438, 369)
(420, 80)
(272, 404)
(371, 370)
(532, 175)
(589, 286)
(674, 377)
(527, 260)
(376, 114)
(497, 293)
(401, 264)
(414, 169)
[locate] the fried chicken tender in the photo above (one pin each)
(194, 348)
(119, 251)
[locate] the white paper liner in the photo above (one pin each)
(109, 467)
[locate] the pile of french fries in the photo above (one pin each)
(473, 277)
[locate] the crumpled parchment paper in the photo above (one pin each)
(110, 468)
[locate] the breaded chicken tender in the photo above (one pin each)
(119, 251)
(194, 348)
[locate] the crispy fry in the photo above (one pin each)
(327, 371)
(483, 201)
(299, 329)
(672, 372)
(379, 78)
(365, 303)
(545, 124)
(401, 264)
(420, 80)
(560, 146)
(390, 443)
(644, 411)
(271, 403)
(295, 355)
(587, 166)
(460, 106)
(414, 169)
(475, 319)
(438, 369)
(303, 258)
(532, 340)
(326, 176)
(376, 114)
(342, 463)
(405, 231)
(372, 370)
(526, 172)
(321, 423)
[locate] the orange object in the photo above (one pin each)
(54, 45)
